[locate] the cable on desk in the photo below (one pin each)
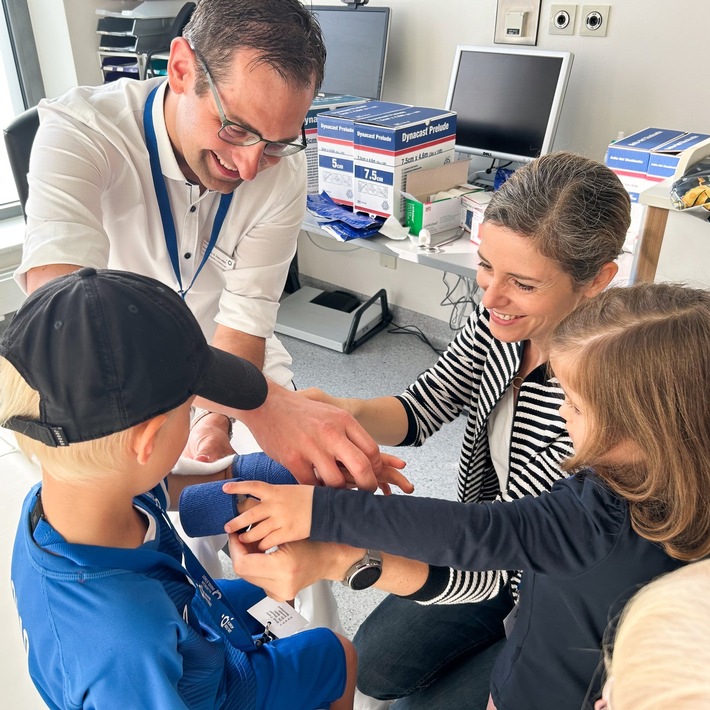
(463, 306)
(413, 330)
(320, 246)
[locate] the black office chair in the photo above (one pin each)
(19, 136)
(181, 19)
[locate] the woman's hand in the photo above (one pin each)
(296, 565)
(390, 475)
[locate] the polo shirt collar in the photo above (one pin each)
(168, 162)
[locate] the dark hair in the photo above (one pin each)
(639, 359)
(575, 210)
(284, 33)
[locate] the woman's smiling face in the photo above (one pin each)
(525, 292)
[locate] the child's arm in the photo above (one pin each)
(176, 483)
(540, 534)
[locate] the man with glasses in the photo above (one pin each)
(199, 181)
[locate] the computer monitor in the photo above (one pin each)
(356, 42)
(507, 100)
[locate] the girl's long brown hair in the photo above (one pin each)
(640, 360)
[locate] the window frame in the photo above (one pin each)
(21, 64)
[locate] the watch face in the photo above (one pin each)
(365, 577)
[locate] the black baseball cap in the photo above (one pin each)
(107, 350)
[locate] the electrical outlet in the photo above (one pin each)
(389, 262)
(595, 19)
(562, 19)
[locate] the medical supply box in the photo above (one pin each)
(391, 146)
(322, 104)
(433, 197)
(473, 209)
(335, 141)
(652, 155)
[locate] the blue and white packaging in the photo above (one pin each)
(336, 130)
(391, 146)
(668, 161)
(322, 104)
(629, 157)
(655, 154)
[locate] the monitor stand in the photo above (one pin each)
(335, 320)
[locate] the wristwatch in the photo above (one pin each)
(365, 572)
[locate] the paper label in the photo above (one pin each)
(282, 619)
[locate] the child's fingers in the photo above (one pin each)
(258, 532)
(258, 489)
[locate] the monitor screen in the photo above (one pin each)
(356, 42)
(507, 100)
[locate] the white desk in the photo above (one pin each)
(459, 257)
(658, 209)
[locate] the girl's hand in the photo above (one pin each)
(283, 513)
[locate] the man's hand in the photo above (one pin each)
(313, 440)
(209, 439)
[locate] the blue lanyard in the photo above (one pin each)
(143, 560)
(166, 215)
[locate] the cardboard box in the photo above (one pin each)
(629, 157)
(391, 146)
(654, 154)
(473, 208)
(430, 201)
(672, 159)
(322, 104)
(335, 138)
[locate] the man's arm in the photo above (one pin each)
(41, 274)
(209, 437)
(311, 439)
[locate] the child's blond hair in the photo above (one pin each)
(77, 462)
(661, 654)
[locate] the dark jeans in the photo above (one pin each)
(437, 656)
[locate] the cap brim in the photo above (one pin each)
(232, 381)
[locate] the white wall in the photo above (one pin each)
(65, 31)
(646, 71)
(639, 75)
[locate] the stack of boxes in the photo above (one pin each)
(648, 157)
(390, 147)
(365, 152)
(321, 104)
(336, 147)
(652, 155)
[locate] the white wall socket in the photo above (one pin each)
(594, 20)
(562, 19)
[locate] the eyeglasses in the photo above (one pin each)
(234, 134)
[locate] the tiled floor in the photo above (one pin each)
(386, 364)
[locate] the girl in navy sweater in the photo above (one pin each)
(634, 364)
